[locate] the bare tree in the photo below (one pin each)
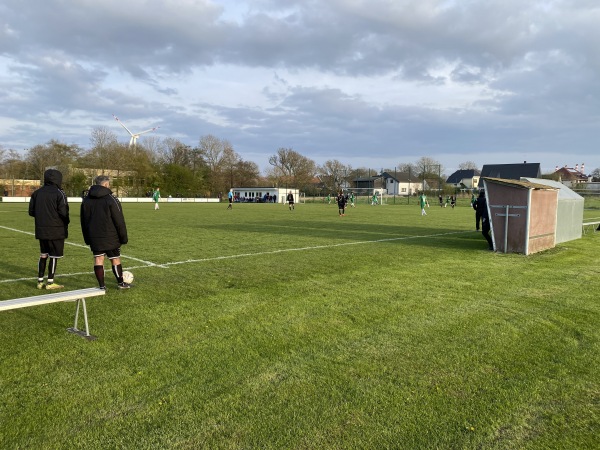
(468, 165)
(12, 167)
(431, 172)
(212, 148)
(291, 168)
(176, 152)
(407, 168)
(229, 161)
(334, 174)
(221, 159)
(247, 173)
(102, 137)
(104, 146)
(52, 154)
(429, 167)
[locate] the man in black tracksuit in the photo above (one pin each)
(477, 210)
(482, 211)
(104, 230)
(48, 205)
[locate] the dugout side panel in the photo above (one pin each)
(498, 196)
(543, 219)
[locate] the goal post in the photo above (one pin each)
(365, 195)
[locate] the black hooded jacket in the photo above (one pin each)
(102, 221)
(480, 206)
(48, 205)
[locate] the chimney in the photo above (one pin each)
(582, 167)
(556, 168)
(577, 167)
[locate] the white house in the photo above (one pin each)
(402, 183)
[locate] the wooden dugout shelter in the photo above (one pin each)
(523, 215)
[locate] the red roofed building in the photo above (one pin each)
(570, 176)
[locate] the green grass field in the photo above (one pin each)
(265, 328)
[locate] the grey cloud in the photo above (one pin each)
(537, 60)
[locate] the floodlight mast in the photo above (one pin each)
(134, 136)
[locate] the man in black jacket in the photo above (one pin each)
(474, 202)
(482, 210)
(104, 230)
(48, 205)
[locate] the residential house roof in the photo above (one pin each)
(460, 175)
(401, 177)
(510, 171)
(570, 174)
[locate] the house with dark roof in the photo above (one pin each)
(366, 182)
(510, 171)
(464, 178)
(401, 183)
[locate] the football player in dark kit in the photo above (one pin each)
(104, 230)
(48, 205)
(341, 201)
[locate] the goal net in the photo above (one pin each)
(368, 195)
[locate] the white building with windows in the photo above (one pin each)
(402, 183)
(263, 194)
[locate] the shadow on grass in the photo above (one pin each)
(422, 236)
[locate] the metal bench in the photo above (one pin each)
(77, 296)
(592, 224)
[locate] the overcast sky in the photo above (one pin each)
(372, 83)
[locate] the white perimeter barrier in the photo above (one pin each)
(122, 200)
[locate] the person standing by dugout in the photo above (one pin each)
(482, 210)
(104, 230)
(49, 206)
(475, 203)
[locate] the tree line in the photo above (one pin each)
(207, 170)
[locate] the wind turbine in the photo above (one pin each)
(134, 136)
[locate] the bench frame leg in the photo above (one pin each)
(86, 334)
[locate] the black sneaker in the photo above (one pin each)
(123, 285)
(102, 288)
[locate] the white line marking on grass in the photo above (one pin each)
(245, 255)
(73, 244)
(316, 247)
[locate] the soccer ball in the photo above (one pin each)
(127, 277)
